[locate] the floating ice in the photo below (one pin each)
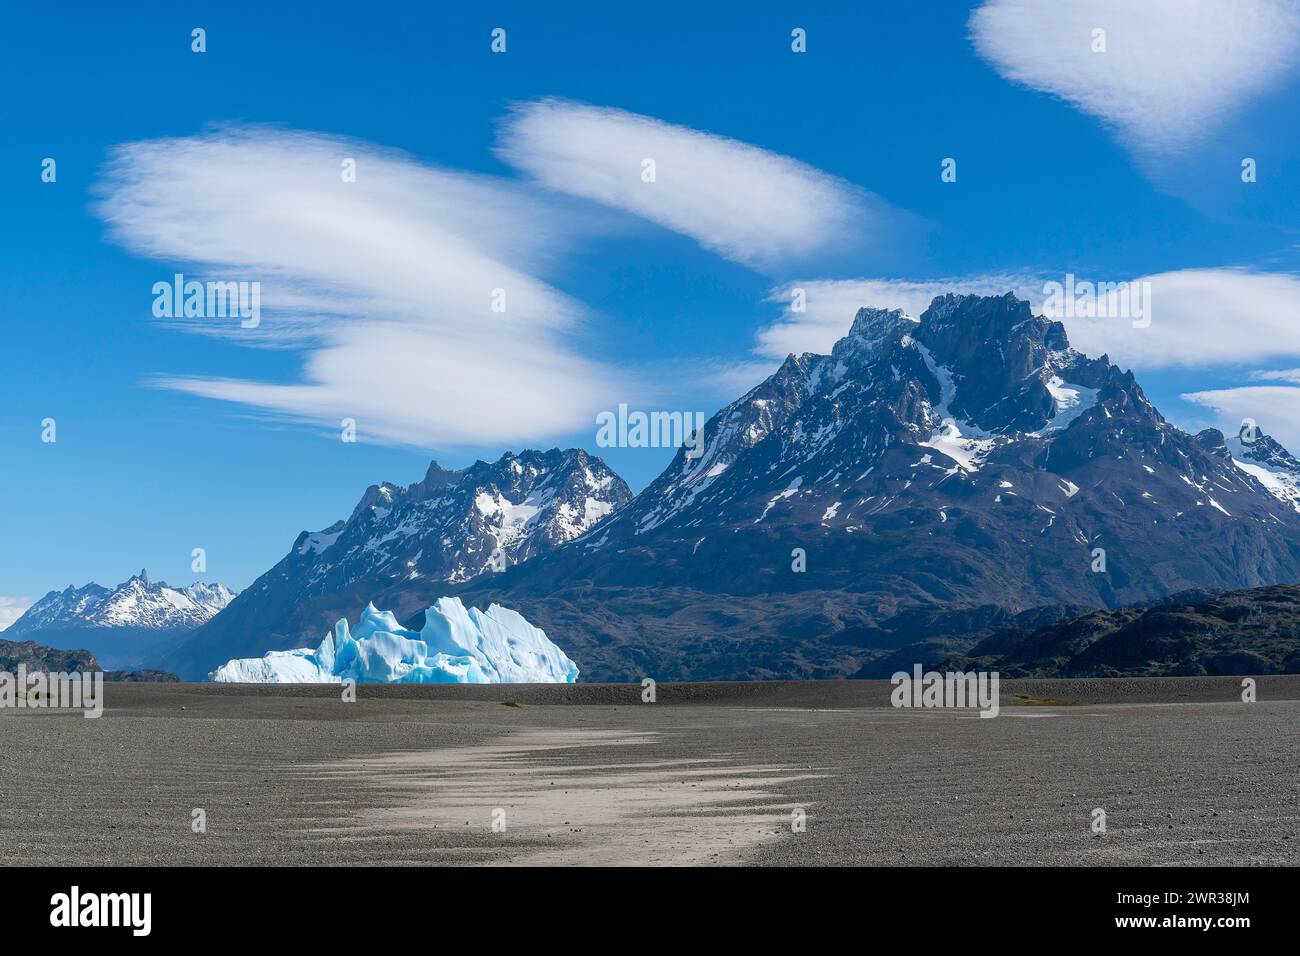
(455, 646)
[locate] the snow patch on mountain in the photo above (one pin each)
(1265, 460)
(966, 451)
(961, 441)
(322, 540)
(1070, 402)
(791, 490)
(1280, 484)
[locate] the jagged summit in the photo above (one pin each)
(873, 326)
(135, 603)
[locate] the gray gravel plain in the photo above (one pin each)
(715, 773)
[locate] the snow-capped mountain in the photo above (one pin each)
(456, 525)
(123, 624)
(969, 460)
(448, 528)
(1263, 458)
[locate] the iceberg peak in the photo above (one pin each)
(456, 645)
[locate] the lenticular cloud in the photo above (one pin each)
(1162, 73)
(385, 283)
(750, 205)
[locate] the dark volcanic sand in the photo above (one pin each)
(1186, 772)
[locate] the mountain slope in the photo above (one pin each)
(967, 459)
(120, 625)
(448, 528)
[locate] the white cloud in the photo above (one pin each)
(11, 609)
(387, 282)
(1172, 69)
(1291, 375)
(1200, 318)
(436, 386)
(1275, 408)
(749, 205)
(831, 304)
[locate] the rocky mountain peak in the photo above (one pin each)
(1251, 444)
(1001, 364)
(975, 435)
(380, 497)
(873, 326)
(1211, 440)
(435, 480)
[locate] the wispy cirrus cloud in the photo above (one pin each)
(387, 283)
(1171, 72)
(747, 204)
(1291, 375)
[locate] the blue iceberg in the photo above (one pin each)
(455, 646)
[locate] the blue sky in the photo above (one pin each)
(776, 169)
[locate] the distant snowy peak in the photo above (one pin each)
(455, 525)
(1251, 444)
(136, 603)
(69, 606)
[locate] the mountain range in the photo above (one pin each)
(928, 481)
(931, 483)
(122, 625)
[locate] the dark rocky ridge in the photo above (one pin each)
(36, 657)
(1255, 631)
(52, 660)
